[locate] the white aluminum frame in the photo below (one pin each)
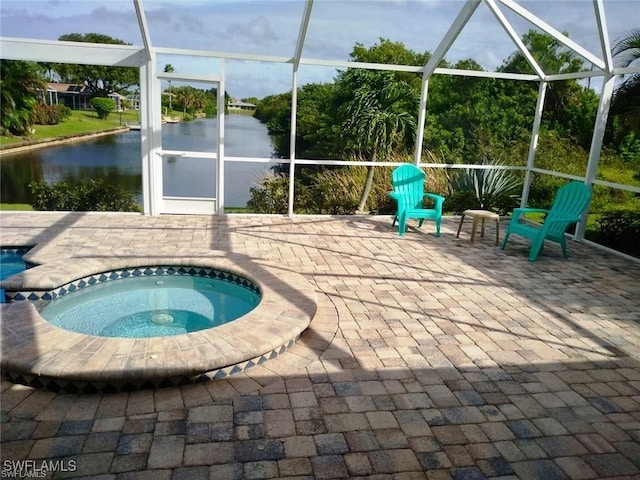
(194, 205)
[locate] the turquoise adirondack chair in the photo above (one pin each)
(408, 192)
(571, 200)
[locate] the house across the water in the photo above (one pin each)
(76, 97)
(235, 104)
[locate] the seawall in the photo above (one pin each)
(49, 142)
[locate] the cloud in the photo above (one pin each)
(271, 28)
(160, 15)
(106, 15)
(256, 30)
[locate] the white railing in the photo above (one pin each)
(363, 163)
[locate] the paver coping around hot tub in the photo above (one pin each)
(33, 347)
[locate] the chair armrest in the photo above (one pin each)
(398, 198)
(518, 213)
(438, 199)
(522, 211)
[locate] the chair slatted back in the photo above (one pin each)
(571, 199)
(408, 181)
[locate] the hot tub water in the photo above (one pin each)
(149, 306)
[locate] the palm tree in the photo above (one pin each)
(186, 96)
(20, 84)
(168, 68)
(382, 117)
(199, 100)
(626, 98)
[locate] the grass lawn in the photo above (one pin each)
(591, 219)
(8, 207)
(237, 210)
(11, 140)
(621, 173)
(80, 121)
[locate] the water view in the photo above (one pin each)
(116, 159)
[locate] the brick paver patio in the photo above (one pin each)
(431, 358)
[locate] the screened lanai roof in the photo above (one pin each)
(271, 30)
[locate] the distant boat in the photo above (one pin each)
(134, 126)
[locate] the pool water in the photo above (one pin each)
(151, 306)
(10, 264)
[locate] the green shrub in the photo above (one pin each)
(630, 149)
(543, 190)
(50, 114)
(86, 196)
(322, 191)
(461, 200)
(271, 195)
(103, 106)
(607, 199)
(620, 230)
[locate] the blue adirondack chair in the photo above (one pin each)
(408, 192)
(571, 200)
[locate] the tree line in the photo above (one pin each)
(372, 115)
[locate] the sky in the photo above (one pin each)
(270, 27)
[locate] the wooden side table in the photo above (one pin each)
(478, 215)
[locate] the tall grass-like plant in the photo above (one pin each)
(437, 179)
(337, 191)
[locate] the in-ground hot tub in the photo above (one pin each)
(152, 301)
(38, 353)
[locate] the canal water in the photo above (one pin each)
(116, 159)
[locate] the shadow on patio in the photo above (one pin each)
(448, 360)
